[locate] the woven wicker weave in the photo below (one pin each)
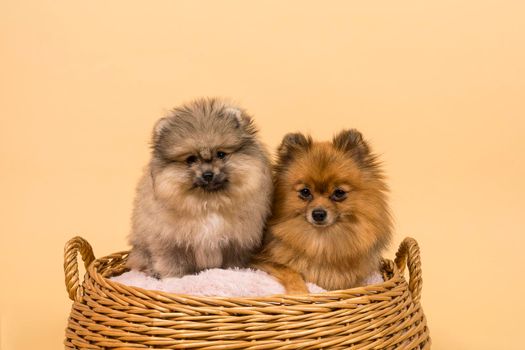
(109, 315)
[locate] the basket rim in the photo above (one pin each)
(387, 267)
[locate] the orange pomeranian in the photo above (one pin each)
(330, 218)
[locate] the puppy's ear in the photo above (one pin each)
(291, 144)
(161, 125)
(235, 113)
(352, 142)
(241, 119)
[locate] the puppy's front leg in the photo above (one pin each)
(292, 281)
(173, 261)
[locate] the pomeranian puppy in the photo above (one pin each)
(330, 219)
(205, 196)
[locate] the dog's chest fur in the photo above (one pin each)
(207, 241)
(348, 272)
(212, 236)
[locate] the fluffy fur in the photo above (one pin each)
(330, 219)
(205, 195)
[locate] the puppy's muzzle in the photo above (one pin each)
(210, 181)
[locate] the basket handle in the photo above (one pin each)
(71, 249)
(408, 255)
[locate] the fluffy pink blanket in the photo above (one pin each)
(218, 282)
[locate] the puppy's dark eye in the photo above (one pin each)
(221, 155)
(191, 159)
(338, 195)
(305, 193)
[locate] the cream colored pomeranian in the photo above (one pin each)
(205, 196)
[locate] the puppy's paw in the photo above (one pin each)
(296, 288)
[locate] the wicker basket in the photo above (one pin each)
(109, 315)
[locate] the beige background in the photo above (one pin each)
(437, 86)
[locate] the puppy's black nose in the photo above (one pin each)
(207, 176)
(319, 215)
